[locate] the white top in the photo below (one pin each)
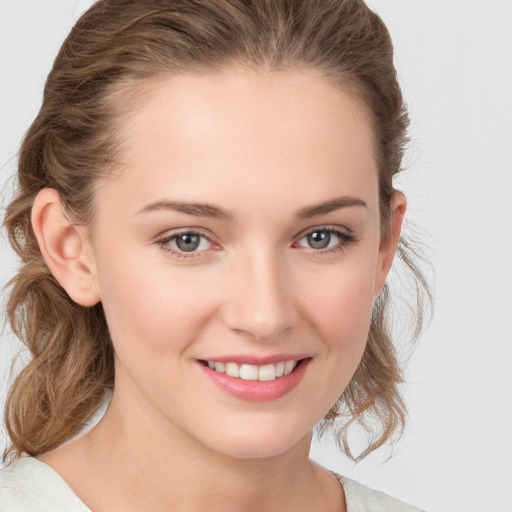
(29, 485)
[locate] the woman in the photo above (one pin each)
(206, 219)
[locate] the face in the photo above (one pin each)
(241, 236)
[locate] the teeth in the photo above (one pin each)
(248, 372)
(288, 366)
(232, 369)
(267, 372)
(252, 372)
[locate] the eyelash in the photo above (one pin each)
(345, 240)
(165, 241)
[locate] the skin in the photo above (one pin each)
(262, 146)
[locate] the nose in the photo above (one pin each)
(261, 300)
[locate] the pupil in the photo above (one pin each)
(319, 239)
(188, 242)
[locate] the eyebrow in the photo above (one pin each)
(209, 210)
(330, 206)
(197, 209)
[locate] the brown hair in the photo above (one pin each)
(117, 45)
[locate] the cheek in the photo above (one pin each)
(340, 306)
(151, 310)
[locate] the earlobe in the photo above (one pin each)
(389, 241)
(65, 248)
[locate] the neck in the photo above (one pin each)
(135, 464)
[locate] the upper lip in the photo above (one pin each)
(256, 360)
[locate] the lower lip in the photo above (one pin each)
(255, 390)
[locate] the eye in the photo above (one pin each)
(321, 239)
(188, 242)
(185, 244)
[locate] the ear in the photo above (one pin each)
(389, 240)
(65, 247)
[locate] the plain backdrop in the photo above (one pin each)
(454, 59)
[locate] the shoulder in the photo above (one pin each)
(14, 492)
(360, 498)
(29, 485)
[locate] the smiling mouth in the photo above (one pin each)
(264, 373)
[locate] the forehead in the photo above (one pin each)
(248, 131)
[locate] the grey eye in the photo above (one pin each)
(319, 239)
(187, 242)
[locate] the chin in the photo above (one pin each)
(265, 442)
